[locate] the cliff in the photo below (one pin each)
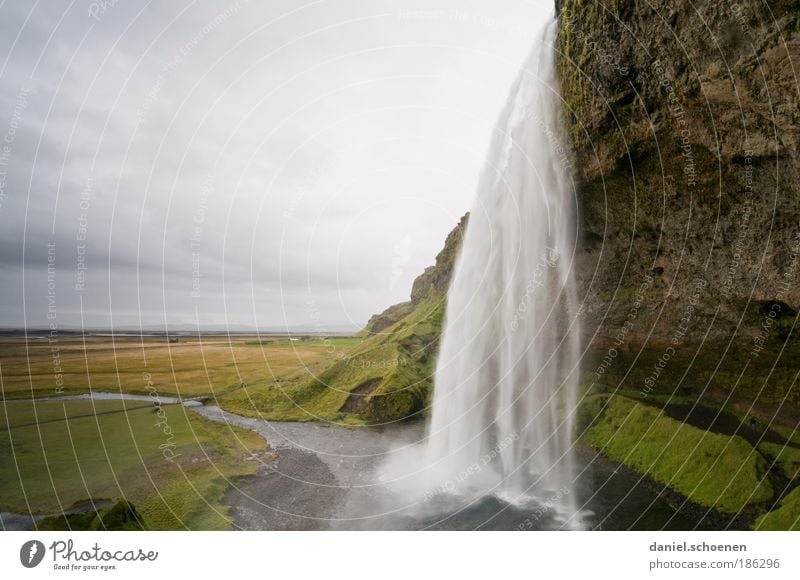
(434, 280)
(389, 376)
(683, 122)
(683, 118)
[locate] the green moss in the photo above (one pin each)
(710, 469)
(786, 458)
(786, 517)
(122, 516)
(764, 381)
(790, 433)
(571, 58)
(576, 37)
(591, 406)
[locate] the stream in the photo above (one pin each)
(327, 477)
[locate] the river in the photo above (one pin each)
(327, 477)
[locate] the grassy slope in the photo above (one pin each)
(394, 363)
(710, 469)
(117, 454)
(408, 348)
(400, 357)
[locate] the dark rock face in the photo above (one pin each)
(380, 322)
(436, 278)
(684, 120)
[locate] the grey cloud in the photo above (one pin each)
(343, 143)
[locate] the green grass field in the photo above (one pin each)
(172, 464)
(56, 453)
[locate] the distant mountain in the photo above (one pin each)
(190, 329)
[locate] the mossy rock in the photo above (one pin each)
(710, 469)
(122, 516)
(786, 458)
(786, 517)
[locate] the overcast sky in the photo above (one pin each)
(268, 164)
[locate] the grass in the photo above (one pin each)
(407, 390)
(173, 465)
(742, 410)
(338, 342)
(790, 433)
(710, 469)
(56, 453)
(122, 516)
(68, 451)
(786, 458)
(397, 359)
(786, 517)
(209, 365)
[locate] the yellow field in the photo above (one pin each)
(198, 366)
(56, 453)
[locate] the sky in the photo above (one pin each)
(272, 165)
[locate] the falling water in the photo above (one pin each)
(506, 378)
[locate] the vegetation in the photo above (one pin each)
(410, 344)
(172, 463)
(55, 454)
(786, 517)
(785, 457)
(122, 516)
(790, 433)
(710, 469)
(387, 376)
(207, 366)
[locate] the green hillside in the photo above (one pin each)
(387, 376)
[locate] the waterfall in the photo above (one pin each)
(506, 379)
